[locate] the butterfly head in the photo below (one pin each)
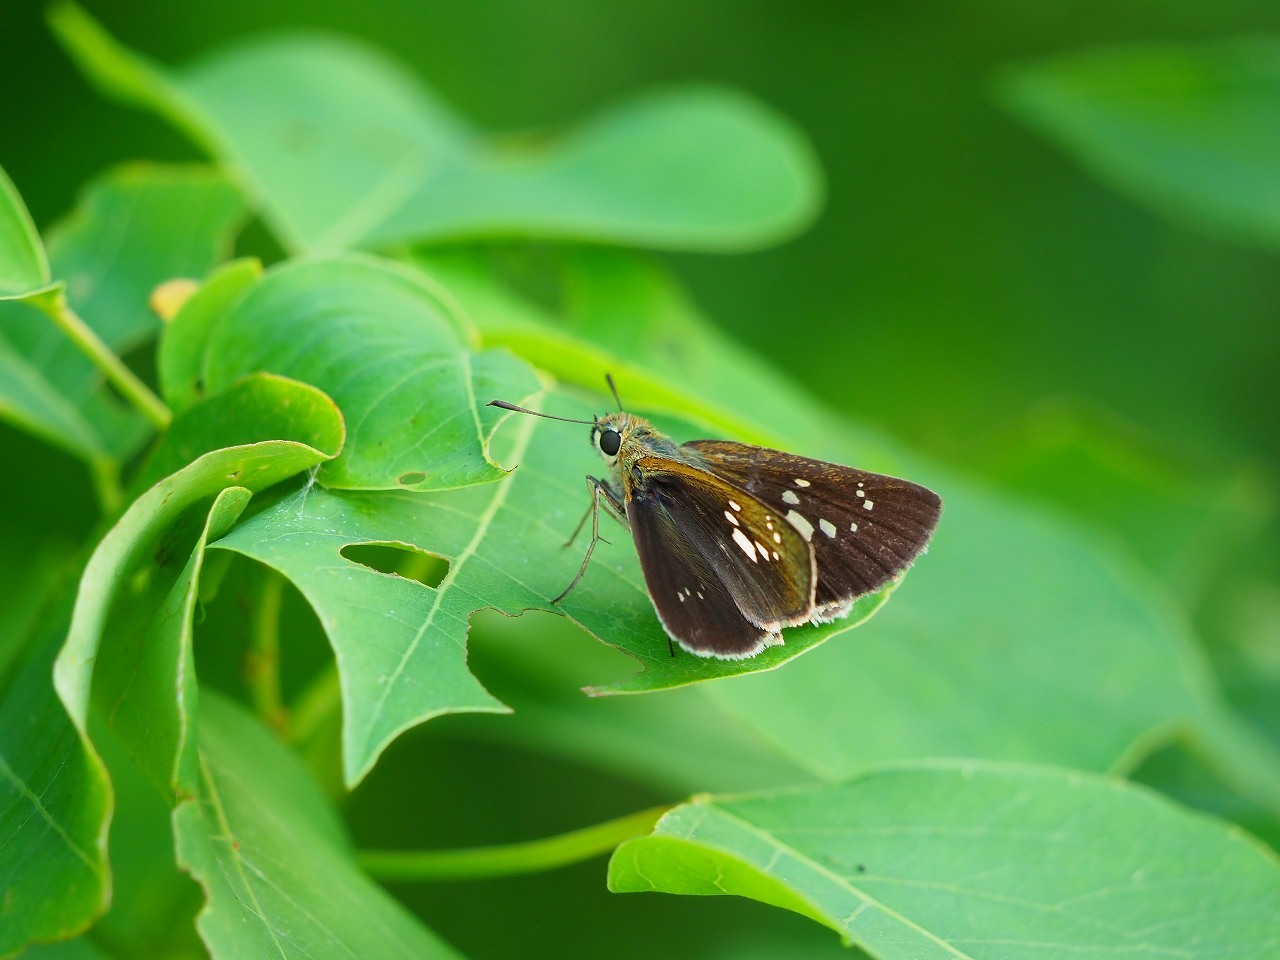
(609, 433)
(622, 438)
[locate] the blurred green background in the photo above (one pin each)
(964, 272)
(967, 282)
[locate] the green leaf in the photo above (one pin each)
(153, 903)
(180, 355)
(31, 403)
(975, 860)
(330, 137)
(270, 853)
(54, 801)
(342, 148)
(677, 743)
(52, 797)
(1185, 772)
(699, 168)
(254, 409)
(382, 343)
(144, 681)
(54, 785)
(1111, 474)
(172, 222)
(78, 949)
(1246, 620)
(136, 535)
(27, 399)
(1190, 130)
(401, 645)
(1057, 636)
(23, 265)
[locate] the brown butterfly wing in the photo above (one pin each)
(690, 523)
(865, 528)
(693, 604)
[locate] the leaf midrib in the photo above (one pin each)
(34, 800)
(524, 434)
(834, 878)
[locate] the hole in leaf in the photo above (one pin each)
(412, 478)
(399, 560)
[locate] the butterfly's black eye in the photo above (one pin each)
(610, 442)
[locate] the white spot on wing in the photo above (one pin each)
(801, 482)
(801, 524)
(777, 537)
(764, 553)
(736, 506)
(789, 496)
(827, 527)
(748, 548)
(869, 504)
(854, 526)
(731, 518)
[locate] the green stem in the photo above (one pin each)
(315, 705)
(262, 665)
(509, 859)
(55, 305)
(106, 484)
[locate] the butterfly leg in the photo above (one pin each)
(599, 490)
(612, 501)
(591, 508)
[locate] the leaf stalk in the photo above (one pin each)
(262, 662)
(138, 394)
(511, 859)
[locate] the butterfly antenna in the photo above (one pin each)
(608, 378)
(534, 413)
